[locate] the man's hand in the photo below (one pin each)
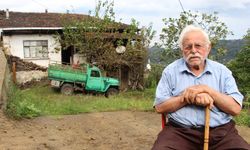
(191, 92)
(198, 95)
(203, 99)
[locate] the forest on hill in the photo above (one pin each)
(232, 47)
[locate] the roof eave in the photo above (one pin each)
(32, 28)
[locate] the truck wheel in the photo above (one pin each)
(111, 91)
(67, 89)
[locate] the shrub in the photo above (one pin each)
(154, 76)
(19, 105)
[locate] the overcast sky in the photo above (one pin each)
(235, 13)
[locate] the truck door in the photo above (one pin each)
(95, 81)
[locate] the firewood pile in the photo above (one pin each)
(22, 65)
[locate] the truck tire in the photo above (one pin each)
(67, 89)
(111, 91)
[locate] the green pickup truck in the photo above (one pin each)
(85, 78)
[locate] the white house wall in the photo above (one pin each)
(14, 46)
(79, 58)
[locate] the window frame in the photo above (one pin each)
(31, 49)
(95, 73)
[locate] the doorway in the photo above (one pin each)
(67, 55)
(124, 77)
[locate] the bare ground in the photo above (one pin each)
(123, 130)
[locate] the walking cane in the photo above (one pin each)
(206, 134)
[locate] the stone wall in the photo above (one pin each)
(27, 73)
(26, 77)
(4, 79)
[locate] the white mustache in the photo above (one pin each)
(196, 55)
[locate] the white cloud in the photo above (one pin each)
(41, 5)
(220, 4)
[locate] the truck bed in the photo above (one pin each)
(67, 73)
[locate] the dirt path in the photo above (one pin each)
(124, 130)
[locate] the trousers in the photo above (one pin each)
(223, 137)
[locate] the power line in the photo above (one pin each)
(184, 11)
(181, 6)
(40, 4)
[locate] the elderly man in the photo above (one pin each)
(188, 85)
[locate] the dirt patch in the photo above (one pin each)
(124, 130)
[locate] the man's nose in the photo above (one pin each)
(194, 49)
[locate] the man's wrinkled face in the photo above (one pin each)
(195, 49)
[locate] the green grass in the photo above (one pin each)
(243, 118)
(43, 100)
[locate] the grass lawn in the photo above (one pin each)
(42, 100)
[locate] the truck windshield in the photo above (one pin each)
(95, 73)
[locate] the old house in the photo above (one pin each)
(30, 36)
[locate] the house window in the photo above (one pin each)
(35, 49)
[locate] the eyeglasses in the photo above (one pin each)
(197, 46)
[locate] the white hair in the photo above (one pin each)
(192, 28)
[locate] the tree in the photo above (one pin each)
(240, 66)
(173, 26)
(97, 36)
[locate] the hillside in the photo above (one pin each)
(232, 48)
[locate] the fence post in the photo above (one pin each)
(14, 72)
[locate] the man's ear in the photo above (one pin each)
(209, 48)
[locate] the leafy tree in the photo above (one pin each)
(154, 75)
(173, 26)
(240, 67)
(97, 36)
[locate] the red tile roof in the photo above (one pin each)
(31, 19)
